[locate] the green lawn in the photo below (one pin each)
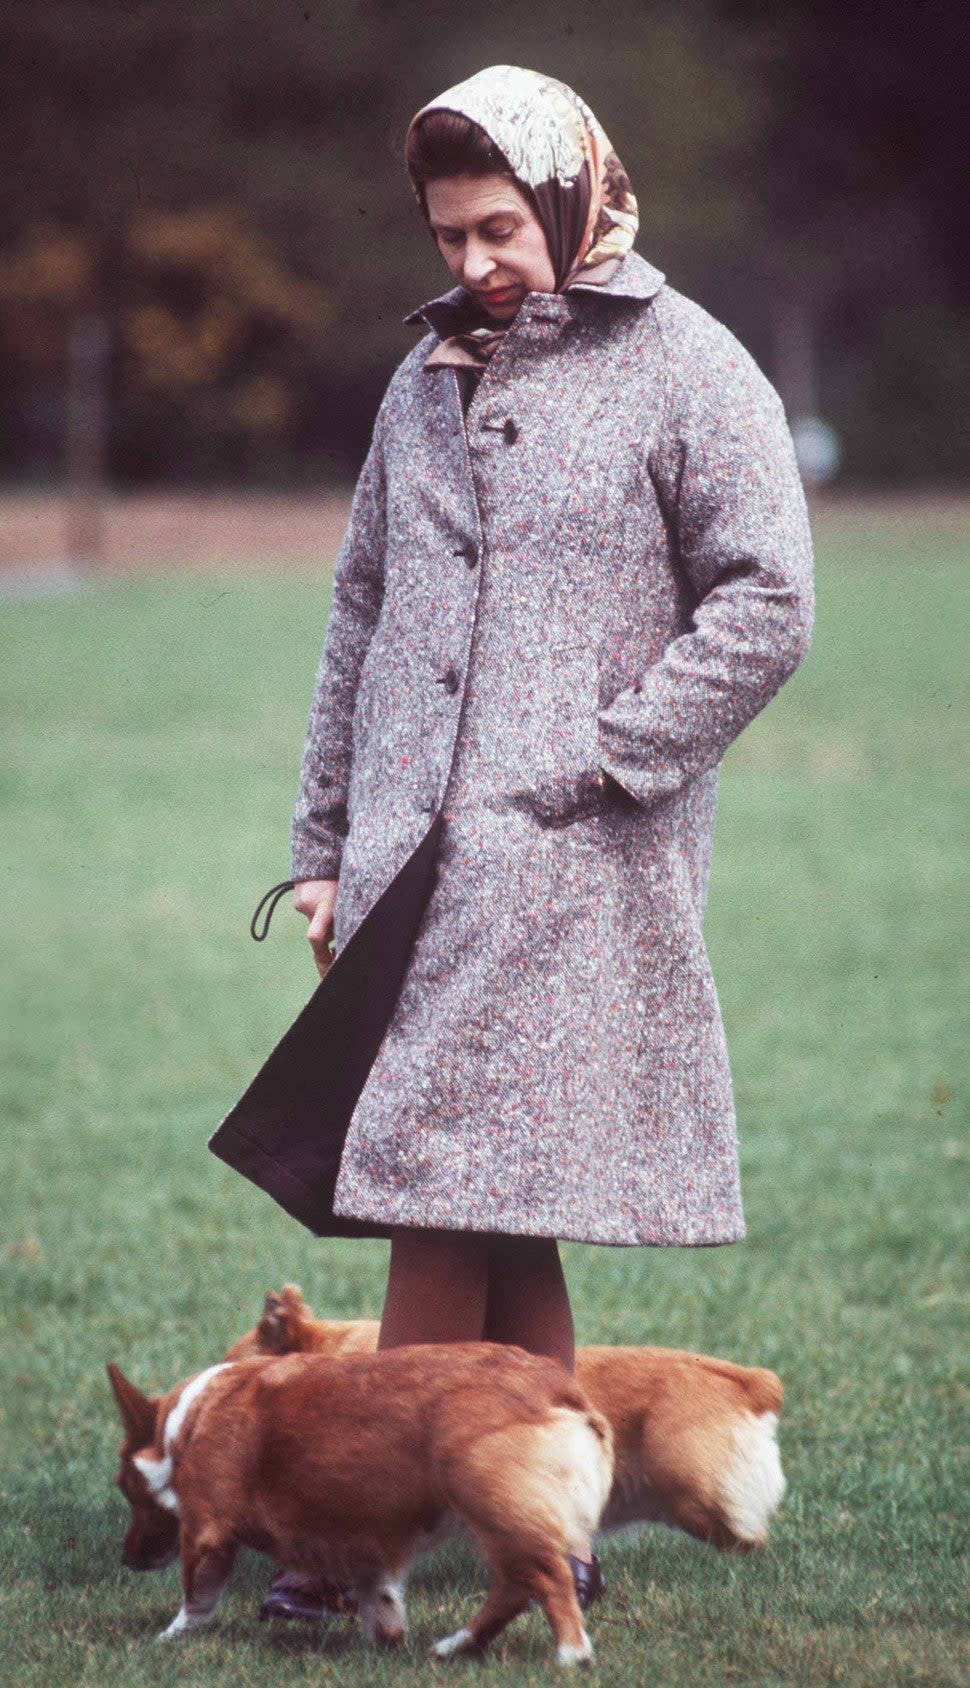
(152, 741)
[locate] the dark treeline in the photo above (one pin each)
(208, 239)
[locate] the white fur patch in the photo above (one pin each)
(451, 1644)
(158, 1472)
(189, 1395)
(383, 1613)
(184, 1622)
(569, 1450)
(753, 1483)
(158, 1475)
(568, 1655)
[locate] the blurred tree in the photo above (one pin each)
(213, 324)
(860, 170)
(202, 327)
(866, 129)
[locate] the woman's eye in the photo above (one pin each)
(495, 235)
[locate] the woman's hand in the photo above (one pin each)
(315, 898)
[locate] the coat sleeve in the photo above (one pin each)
(725, 472)
(320, 819)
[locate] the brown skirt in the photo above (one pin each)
(286, 1133)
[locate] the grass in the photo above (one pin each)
(152, 743)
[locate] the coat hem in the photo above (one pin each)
(563, 1229)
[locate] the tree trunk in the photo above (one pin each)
(86, 445)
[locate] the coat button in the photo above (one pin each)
(510, 432)
(470, 553)
(450, 680)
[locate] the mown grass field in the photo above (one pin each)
(152, 733)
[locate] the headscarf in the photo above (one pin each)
(558, 152)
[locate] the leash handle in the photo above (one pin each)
(272, 896)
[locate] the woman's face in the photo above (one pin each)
(491, 240)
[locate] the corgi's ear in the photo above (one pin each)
(282, 1321)
(291, 1297)
(137, 1410)
(273, 1330)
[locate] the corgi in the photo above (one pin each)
(350, 1467)
(695, 1438)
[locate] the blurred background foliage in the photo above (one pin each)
(218, 185)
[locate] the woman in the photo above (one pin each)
(578, 564)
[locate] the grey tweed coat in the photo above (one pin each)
(550, 619)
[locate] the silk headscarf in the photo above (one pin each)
(560, 154)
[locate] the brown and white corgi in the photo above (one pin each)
(350, 1467)
(694, 1437)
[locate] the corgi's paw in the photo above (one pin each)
(183, 1623)
(463, 1641)
(568, 1654)
(179, 1625)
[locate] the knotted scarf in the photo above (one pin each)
(558, 151)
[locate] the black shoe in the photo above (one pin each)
(294, 1596)
(588, 1580)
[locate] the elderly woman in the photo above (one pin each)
(578, 564)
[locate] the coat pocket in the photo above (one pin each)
(566, 782)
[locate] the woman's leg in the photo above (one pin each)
(528, 1302)
(436, 1287)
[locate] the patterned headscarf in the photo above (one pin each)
(558, 151)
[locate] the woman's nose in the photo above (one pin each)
(478, 265)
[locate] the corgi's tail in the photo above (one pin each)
(752, 1483)
(543, 1483)
(573, 1461)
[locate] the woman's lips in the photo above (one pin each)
(498, 296)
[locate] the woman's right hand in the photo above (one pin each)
(315, 898)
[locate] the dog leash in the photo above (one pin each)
(272, 896)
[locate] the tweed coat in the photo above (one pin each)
(551, 617)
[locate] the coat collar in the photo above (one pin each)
(633, 279)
